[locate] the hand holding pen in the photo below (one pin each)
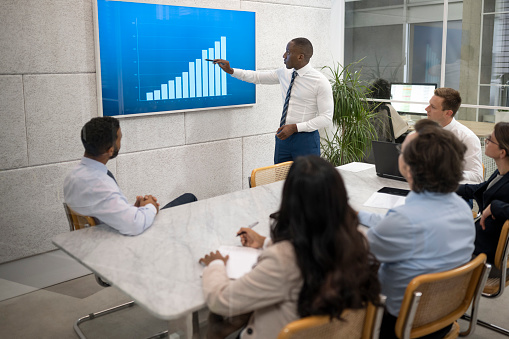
(250, 238)
(224, 64)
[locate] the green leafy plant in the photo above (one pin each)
(353, 117)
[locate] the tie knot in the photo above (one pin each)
(294, 74)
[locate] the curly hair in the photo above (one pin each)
(452, 99)
(99, 134)
(337, 268)
(435, 158)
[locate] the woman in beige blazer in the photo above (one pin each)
(316, 261)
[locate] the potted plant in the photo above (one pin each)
(353, 118)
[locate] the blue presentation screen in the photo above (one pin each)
(152, 57)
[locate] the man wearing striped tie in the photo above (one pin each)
(307, 100)
(91, 189)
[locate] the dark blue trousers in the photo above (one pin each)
(297, 144)
(185, 198)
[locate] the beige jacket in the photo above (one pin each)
(271, 290)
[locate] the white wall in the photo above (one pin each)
(48, 91)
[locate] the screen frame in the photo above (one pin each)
(97, 48)
(406, 101)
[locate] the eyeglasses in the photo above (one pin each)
(493, 142)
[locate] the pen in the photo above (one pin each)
(209, 60)
(249, 226)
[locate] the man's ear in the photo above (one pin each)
(449, 113)
(111, 150)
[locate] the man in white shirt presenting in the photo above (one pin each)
(307, 100)
(90, 189)
(442, 108)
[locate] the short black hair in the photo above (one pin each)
(99, 134)
(305, 46)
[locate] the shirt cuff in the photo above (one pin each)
(216, 262)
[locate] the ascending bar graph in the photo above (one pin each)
(201, 79)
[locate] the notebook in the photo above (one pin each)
(386, 160)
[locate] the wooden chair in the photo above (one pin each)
(433, 301)
(269, 174)
(358, 324)
(77, 222)
(498, 280)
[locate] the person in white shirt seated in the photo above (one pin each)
(442, 108)
(381, 89)
(433, 231)
(316, 262)
(90, 189)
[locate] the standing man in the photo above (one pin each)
(307, 96)
(442, 108)
(90, 189)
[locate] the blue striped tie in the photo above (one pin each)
(287, 100)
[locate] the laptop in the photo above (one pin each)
(386, 160)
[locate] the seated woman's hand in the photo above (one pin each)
(250, 238)
(208, 258)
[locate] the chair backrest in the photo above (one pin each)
(269, 174)
(76, 220)
(433, 301)
(356, 324)
(499, 280)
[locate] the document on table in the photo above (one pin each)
(355, 167)
(241, 261)
(383, 200)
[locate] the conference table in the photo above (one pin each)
(159, 269)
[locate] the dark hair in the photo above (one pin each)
(305, 46)
(452, 99)
(337, 268)
(435, 157)
(501, 132)
(380, 89)
(99, 134)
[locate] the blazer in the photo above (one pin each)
(486, 241)
(271, 290)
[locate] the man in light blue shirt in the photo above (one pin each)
(434, 230)
(90, 189)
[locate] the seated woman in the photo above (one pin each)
(492, 196)
(434, 230)
(316, 262)
(381, 89)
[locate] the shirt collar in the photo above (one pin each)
(451, 124)
(94, 164)
(302, 71)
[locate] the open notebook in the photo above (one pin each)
(241, 261)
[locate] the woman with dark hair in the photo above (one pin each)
(492, 196)
(381, 89)
(316, 261)
(433, 231)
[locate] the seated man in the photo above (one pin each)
(90, 189)
(433, 231)
(442, 108)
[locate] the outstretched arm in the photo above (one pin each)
(224, 64)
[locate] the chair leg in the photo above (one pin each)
(492, 327)
(98, 314)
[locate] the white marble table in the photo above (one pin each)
(159, 269)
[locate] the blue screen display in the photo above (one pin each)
(152, 57)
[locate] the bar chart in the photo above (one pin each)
(202, 79)
(153, 57)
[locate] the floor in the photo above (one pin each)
(30, 308)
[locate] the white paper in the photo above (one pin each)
(241, 261)
(355, 167)
(383, 200)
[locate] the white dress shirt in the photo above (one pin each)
(311, 102)
(89, 190)
(472, 173)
